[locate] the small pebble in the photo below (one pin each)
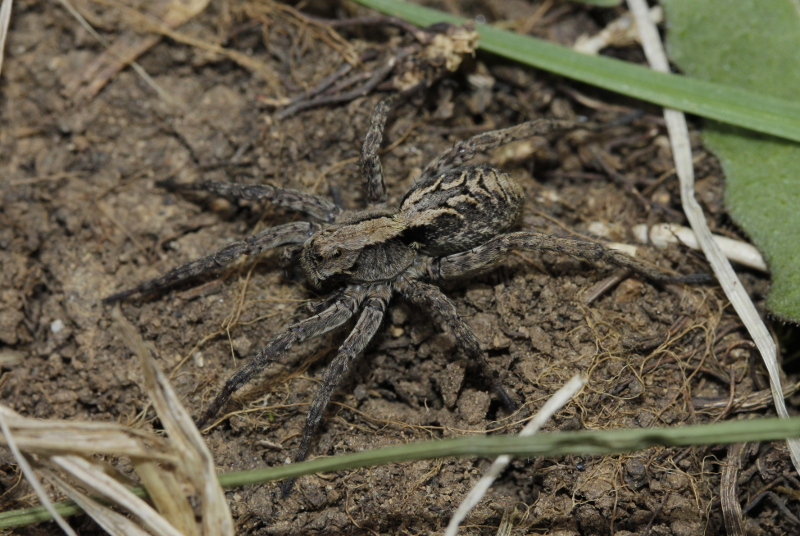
(220, 204)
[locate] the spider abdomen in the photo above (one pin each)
(460, 209)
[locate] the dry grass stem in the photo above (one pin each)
(662, 235)
(93, 476)
(84, 85)
(49, 438)
(5, 20)
(195, 465)
(172, 470)
(681, 150)
(729, 490)
(27, 470)
(112, 522)
(559, 399)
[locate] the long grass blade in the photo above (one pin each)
(590, 442)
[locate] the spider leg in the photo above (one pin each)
(315, 306)
(371, 169)
(289, 233)
(316, 206)
(332, 317)
(430, 297)
(368, 323)
(464, 150)
(484, 257)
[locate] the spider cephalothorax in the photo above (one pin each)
(453, 222)
(364, 248)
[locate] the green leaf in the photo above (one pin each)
(749, 109)
(754, 46)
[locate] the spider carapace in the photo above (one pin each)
(453, 222)
(448, 212)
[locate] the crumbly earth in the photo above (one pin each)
(82, 216)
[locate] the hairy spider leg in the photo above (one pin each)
(332, 317)
(288, 233)
(486, 256)
(371, 169)
(431, 298)
(465, 150)
(316, 206)
(373, 311)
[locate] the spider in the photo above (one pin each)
(454, 222)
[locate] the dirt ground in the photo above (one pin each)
(82, 216)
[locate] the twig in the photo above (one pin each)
(555, 403)
(5, 20)
(27, 470)
(729, 491)
(661, 235)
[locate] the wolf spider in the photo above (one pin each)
(452, 223)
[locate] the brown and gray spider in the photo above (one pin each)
(453, 222)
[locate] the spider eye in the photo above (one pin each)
(336, 253)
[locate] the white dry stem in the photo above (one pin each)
(628, 249)
(555, 403)
(113, 523)
(662, 234)
(618, 32)
(93, 477)
(170, 469)
(30, 476)
(48, 438)
(681, 151)
(5, 20)
(196, 464)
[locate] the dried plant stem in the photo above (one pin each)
(681, 150)
(555, 403)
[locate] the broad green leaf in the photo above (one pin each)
(753, 45)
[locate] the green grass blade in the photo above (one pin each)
(551, 444)
(589, 442)
(735, 106)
